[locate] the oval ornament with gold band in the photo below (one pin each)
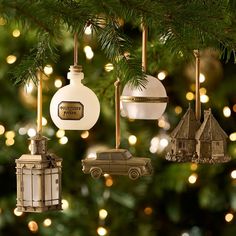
(148, 103)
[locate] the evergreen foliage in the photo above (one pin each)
(165, 203)
(181, 25)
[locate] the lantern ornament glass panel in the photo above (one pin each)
(148, 103)
(38, 179)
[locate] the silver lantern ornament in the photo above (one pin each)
(38, 178)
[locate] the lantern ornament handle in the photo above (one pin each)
(117, 105)
(197, 86)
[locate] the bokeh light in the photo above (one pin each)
(48, 70)
(84, 134)
(109, 67)
(16, 33)
(178, 110)
(202, 78)
(58, 83)
(189, 96)
(47, 222)
(204, 98)
(162, 75)
(63, 140)
(232, 136)
(226, 111)
(2, 129)
(101, 231)
(229, 217)
(65, 204)
(192, 178)
(60, 133)
(103, 214)
(17, 213)
(33, 226)
(132, 139)
(11, 59)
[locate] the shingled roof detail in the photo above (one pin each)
(187, 127)
(210, 128)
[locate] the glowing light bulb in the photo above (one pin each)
(233, 174)
(101, 231)
(132, 139)
(109, 182)
(232, 136)
(164, 142)
(202, 78)
(88, 30)
(22, 131)
(10, 142)
(229, 217)
(85, 134)
(103, 214)
(109, 67)
(44, 121)
(48, 70)
(33, 226)
(10, 134)
(148, 210)
(63, 140)
(161, 122)
(178, 110)
(148, 103)
(204, 98)
(89, 55)
(29, 87)
(202, 91)
(47, 222)
(2, 129)
(226, 111)
(65, 204)
(162, 75)
(60, 133)
(189, 96)
(17, 213)
(74, 106)
(31, 132)
(11, 59)
(16, 33)
(58, 83)
(192, 178)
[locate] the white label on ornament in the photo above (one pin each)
(70, 110)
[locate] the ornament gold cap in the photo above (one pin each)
(76, 68)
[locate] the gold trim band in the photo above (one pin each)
(144, 99)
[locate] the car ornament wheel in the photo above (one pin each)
(96, 172)
(134, 173)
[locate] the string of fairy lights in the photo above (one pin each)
(157, 143)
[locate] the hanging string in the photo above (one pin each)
(144, 47)
(197, 86)
(117, 104)
(75, 49)
(39, 104)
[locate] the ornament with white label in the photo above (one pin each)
(75, 106)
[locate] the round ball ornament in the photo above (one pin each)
(75, 106)
(148, 103)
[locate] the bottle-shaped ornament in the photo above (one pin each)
(75, 106)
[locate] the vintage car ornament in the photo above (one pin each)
(117, 162)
